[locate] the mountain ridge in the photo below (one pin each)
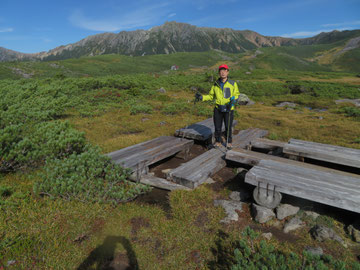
(172, 37)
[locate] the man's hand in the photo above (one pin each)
(198, 97)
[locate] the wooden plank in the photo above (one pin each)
(161, 183)
(149, 152)
(196, 171)
(325, 187)
(201, 131)
(266, 144)
(324, 152)
(253, 158)
(244, 137)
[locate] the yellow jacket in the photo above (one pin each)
(217, 93)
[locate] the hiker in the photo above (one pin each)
(226, 94)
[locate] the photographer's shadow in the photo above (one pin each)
(103, 257)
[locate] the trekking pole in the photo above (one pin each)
(229, 124)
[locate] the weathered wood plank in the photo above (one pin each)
(201, 131)
(329, 188)
(253, 158)
(195, 172)
(324, 152)
(149, 152)
(161, 183)
(266, 144)
(243, 138)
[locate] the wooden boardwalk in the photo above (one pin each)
(138, 157)
(324, 152)
(316, 183)
(196, 171)
(200, 131)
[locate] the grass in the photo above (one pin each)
(41, 233)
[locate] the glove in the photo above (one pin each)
(198, 97)
(232, 101)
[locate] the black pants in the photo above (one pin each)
(219, 117)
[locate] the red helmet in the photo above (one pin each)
(223, 66)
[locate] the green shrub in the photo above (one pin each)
(27, 147)
(175, 108)
(140, 108)
(88, 176)
(351, 111)
(253, 254)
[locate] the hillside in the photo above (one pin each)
(173, 37)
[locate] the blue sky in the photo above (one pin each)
(34, 26)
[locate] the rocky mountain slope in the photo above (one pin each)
(173, 37)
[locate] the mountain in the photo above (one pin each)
(174, 37)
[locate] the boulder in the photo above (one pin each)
(267, 236)
(315, 250)
(239, 196)
(312, 214)
(286, 210)
(262, 214)
(161, 90)
(293, 224)
(356, 102)
(322, 233)
(229, 207)
(354, 231)
(286, 104)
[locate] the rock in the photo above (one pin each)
(356, 102)
(286, 104)
(293, 224)
(315, 250)
(193, 88)
(230, 207)
(243, 99)
(166, 171)
(286, 210)
(145, 119)
(239, 196)
(354, 231)
(161, 90)
(209, 181)
(250, 102)
(247, 72)
(322, 233)
(312, 214)
(267, 236)
(262, 214)
(162, 123)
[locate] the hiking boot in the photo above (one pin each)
(229, 146)
(217, 144)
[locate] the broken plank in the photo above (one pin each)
(201, 131)
(324, 152)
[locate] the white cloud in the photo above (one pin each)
(171, 15)
(341, 24)
(312, 33)
(6, 30)
(138, 18)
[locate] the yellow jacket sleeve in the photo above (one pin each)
(236, 91)
(210, 96)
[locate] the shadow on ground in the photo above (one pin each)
(104, 257)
